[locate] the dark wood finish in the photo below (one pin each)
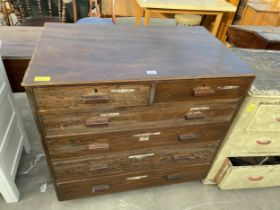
(255, 37)
(123, 182)
(78, 146)
(133, 161)
(18, 44)
(130, 62)
(131, 119)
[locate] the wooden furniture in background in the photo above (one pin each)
(18, 44)
(255, 131)
(261, 13)
(12, 139)
(256, 37)
(206, 7)
(131, 119)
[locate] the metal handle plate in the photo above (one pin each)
(137, 177)
(96, 99)
(203, 91)
(139, 157)
(100, 188)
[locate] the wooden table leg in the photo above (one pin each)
(138, 15)
(75, 11)
(217, 23)
(147, 17)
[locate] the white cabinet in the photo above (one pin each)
(12, 139)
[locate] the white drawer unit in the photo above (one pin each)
(255, 130)
(12, 139)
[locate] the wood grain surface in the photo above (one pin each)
(111, 53)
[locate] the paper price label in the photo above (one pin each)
(42, 79)
(251, 107)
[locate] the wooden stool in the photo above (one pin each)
(188, 19)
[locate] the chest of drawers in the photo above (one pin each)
(255, 132)
(121, 108)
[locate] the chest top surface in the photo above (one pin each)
(83, 54)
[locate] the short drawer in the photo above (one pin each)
(91, 97)
(238, 173)
(82, 145)
(131, 118)
(201, 89)
(103, 185)
(133, 161)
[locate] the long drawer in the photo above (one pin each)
(91, 97)
(128, 118)
(132, 161)
(81, 145)
(201, 89)
(97, 186)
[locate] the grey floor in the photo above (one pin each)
(185, 196)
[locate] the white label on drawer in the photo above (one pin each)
(151, 72)
(113, 114)
(127, 90)
(145, 136)
(228, 87)
(200, 108)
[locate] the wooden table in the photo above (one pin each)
(201, 7)
(18, 44)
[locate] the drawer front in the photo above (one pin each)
(201, 89)
(267, 118)
(66, 147)
(93, 186)
(133, 161)
(238, 177)
(91, 97)
(129, 118)
(257, 143)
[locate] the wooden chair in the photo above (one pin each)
(120, 20)
(29, 14)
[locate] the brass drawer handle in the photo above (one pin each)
(96, 123)
(203, 91)
(174, 176)
(187, 137)
(255, 178)
(98, 167)
(96, 188)
(183, 157)
(263, 142)
(96, 99)
(194, 115)
(99, 146)
(137, 177)
(139, 157)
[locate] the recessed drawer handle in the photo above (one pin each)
(99, 122)
(255, 178)
(100, 188)
(187, 137)
(137, 177)
(99, 146)
(139, 157)
(203, 91)
(194, 115)
(98, 167)
(263, 142)
(96, 99)
(174, 176)
(182, 157)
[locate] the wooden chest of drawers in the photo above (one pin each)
(255, 132)
(120, 108)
